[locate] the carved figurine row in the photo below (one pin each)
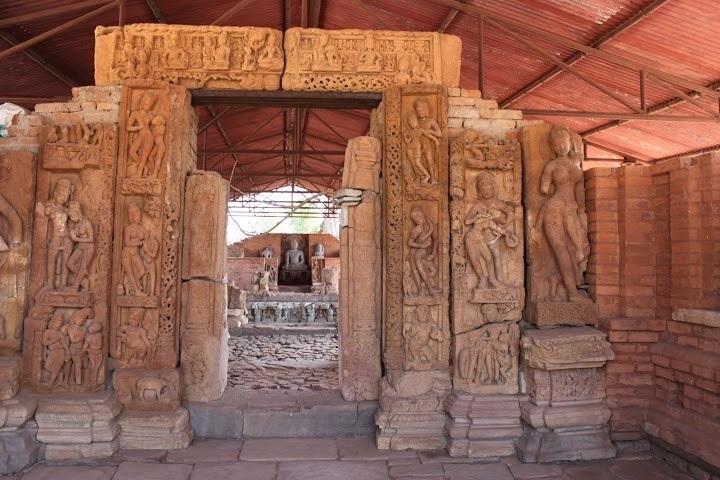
(146, 53)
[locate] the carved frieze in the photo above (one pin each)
(148, 236)
(556, 227)
(65, 346)
(486, 359)
(416, 227)
(148, 389)
(213, 57)
(577, 347)
(368, 61)
(17, 188)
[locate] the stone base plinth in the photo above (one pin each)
(78, 451)
(76, 419)
(482, 426)
(155, 430)
(15, 412)
(572, 415)
(551, 314)
(18, 449)
(411, 413)
(550, 446)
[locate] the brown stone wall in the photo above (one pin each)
(653, 273)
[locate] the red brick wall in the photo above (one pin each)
(239, 270)
(655, 238)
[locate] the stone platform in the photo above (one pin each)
(332, 458)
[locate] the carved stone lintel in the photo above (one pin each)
(213, 57)
(576, 347)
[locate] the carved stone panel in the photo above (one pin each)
(17, 198)
(564, 348)
(369, 61)
(556, 227)
(156, 153)
(486, 359)
(205, 223)
(65, 338)
(416, 229)
(212, 57)
(148, 389)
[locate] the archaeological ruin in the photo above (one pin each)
(502, 292)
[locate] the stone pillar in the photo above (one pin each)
(488, 294)
(565, 412)
(360, 293)
(204, 342)
(416, 330)
(17, 202)
(157, 151)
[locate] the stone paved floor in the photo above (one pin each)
(299, 362)
(332, 459)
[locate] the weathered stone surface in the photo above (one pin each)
(16, 411)
(213, 57)
(550, 314)
(17, 187)
(494, 471)
(150, 471)
(565, 416)
(235, 471)
(482, 426)
(43, 472)
(148, 389)
(555, 225)
(363, 448)
(288, 449)
(155, 430)
(78, 451)
(348, 470)
(78, 419)
(18, 449)
(360, 256)
(157, 134)
(368, 61)
(9, 376)
(70, 274)
(204, 355)
(550, 387)
(205, 224)
(576, 347)
(709, 318)
(204, 450)
(550, 446)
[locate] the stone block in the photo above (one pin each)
(148, 389)
(78, 419)
(9, 375)
(575, 347)
(207, 64)
(204, 351)
(155, 430)
(347, 470)
(15, 412)
(567, 416)
(289, 449)
(204, 450)
(457, 100)
(552, 314)
(150, 471)
(460, 111)
(79, 451)
(205, 223)
(549, 446)
(235, 471)
(497, 114)
(313, 59)
(45, 472)
(18, 449)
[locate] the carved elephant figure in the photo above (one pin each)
(153, 389)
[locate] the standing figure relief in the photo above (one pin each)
(489, 219)
(422, 138)
(560, 218)
(422, 254)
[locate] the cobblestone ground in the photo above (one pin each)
(286, 362)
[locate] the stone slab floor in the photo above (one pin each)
(344, 458)
(287, 360)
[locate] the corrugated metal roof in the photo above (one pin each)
(680, 37)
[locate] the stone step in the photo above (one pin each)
(243, 414)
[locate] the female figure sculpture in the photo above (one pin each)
(491, 219)
(560, 216)
(423, 243)
(134, 269)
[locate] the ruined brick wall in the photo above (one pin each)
(239, 270)
(654, 274)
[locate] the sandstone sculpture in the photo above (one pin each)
(368, 61)
(249, 58)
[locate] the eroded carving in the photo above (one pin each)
(357, 60)
(487, 361)
(192, 56)
(423, 340)
(423, 243)
(362, 164)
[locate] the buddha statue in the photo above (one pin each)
(295, 258)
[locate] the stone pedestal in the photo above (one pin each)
(411, 413)
(18, 449)
(565, 412)
(14, 413)
(482, 426)
(79, 426)
(155, 430)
